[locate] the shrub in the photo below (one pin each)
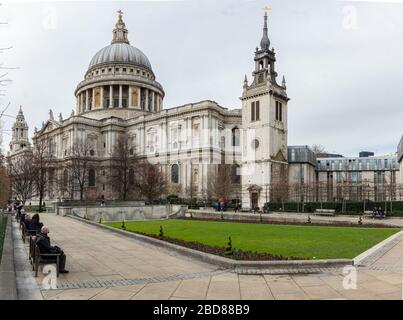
(161, 234)
(228, 249)
(123, 225)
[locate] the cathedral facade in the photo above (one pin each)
(120, 95)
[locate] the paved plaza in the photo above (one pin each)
(106, 265)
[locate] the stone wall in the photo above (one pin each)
(120, 213)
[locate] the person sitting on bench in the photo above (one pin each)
(35, 224)
(43, 242)
(381, 213)
(26, 221)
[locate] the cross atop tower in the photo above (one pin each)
(266, 9)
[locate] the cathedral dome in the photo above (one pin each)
(119, 81)
(120, 53)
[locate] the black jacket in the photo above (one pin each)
(44, 245)
(35, 225)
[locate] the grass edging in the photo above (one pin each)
(8, 282)
(3, 230)
(222, 261)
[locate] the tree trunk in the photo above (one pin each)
(40, 200)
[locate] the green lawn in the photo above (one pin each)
(3, 225)
(308, 242)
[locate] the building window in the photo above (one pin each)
(175, 138)
(91, 178)
(131, 176)
(92, 152)
(65, 178)
(236, 174)
(175, 173)
(255, 144)
(279, 111)
(152, 140)
(236, 137)
(255, 111)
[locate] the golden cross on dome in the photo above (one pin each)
(120, 14)
(267, 9)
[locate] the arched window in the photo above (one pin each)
(175, 173)
(65, 178)
(131, 176)
(236, 137)
(91, 178)
(236, 174)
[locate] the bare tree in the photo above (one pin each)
(225, 182)
(79, 164)
(318, 149)
(41, 162)
(151, 182)
(4, 179)
(65, 183)
(21, 172)
(124, 162)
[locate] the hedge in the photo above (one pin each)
(350, 207)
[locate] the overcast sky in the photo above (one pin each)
(342, 59)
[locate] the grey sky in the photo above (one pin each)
(345, 83)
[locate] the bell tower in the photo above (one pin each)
(264, 122)
(19, 140)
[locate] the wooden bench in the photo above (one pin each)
(325, 212)
(31, 255)
(370, 214)
(44, 258)
(27, 232)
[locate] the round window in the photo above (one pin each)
(255, 144)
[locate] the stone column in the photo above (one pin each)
(157, 97)
(110, 96)
(120, 96)
(153, 101)
(139, 98)
(93, 99)
(101, 102)
(86, 100)
(82, 101)
(130, 97)
(146, 102)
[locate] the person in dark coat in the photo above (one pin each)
(43, 242)
(35, 223)
(26, 220)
